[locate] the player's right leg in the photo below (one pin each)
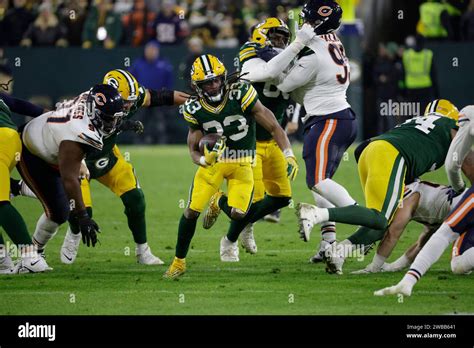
(206, 182)
(10, 219)
(72, 239)
(462, 261)
(46, 183)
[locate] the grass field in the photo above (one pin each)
(278, 280)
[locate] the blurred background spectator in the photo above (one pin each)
(103, 27)
(156, 73)
(15, 23)
(169, 26)
(195, 49)
(46, 30)
(72, 15)
(138, 24)
(467, 23)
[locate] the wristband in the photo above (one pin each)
(288, 152)
(202, 161)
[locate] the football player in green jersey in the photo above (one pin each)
(10, 219)
(272, 188)
(111, 169)
(230, 109)
(385, 164)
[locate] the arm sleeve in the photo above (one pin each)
(21, 106)
(260, 71)
(162, 97)
(459, 149)
(303, 71)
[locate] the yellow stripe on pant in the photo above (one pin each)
(382, 171)
(270, 172)
(120, 179)
(10, 152)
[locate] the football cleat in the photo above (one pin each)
(368, 269)
(34, 264)
(229, 251)
(213, 211)
(6, 262)
(273, 217)
(400, 288)
(247, 240)
(176, 269)
(70, 247)
(334, 259)
(307, 217)
(147, 258)
(320, 256)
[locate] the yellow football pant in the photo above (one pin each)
(382, 171)
(120, 179)
(207, 181)
(270, 172)
(10, 151)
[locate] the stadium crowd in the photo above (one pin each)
(108, 23)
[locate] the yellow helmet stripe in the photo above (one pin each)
(130, 81)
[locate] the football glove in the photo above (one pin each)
(132, 125)
(211, 156)
(87, 227)
(292, 168)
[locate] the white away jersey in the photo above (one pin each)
(43, 135)
(320, 77)
(434, 205)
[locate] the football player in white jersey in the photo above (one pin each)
(54, 146)
(424, 202)
(319, 80)
(459, 225)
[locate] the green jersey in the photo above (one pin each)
(422, 141)
(268, 93)
(6, 116)
(100, 162)
(232, 118)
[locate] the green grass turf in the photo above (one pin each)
(277, 280)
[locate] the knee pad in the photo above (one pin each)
(134, 202)
(60, 217)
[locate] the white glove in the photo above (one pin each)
(305, 34)
(84, 171)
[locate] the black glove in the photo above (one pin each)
(87, 227)
(132, 125)
(453, 194)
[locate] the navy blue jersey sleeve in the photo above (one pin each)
(20, 106)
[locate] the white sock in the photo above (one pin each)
(400, 263)
(430, 253)
(463, 263)
(378, 261)
(334, 193)
(328, 229)
(25, 190)
(141, 248)
(45, 230)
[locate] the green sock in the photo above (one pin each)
(223, 204)
(13, 224)
(186, 230)
(366, 236)
(257, 211)
(73, 224)
(357, 215)
(134, 202)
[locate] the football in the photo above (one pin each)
(208, 140)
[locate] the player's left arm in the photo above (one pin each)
(267, 120)
(164, 97)
(299, 75)
(22, 107)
